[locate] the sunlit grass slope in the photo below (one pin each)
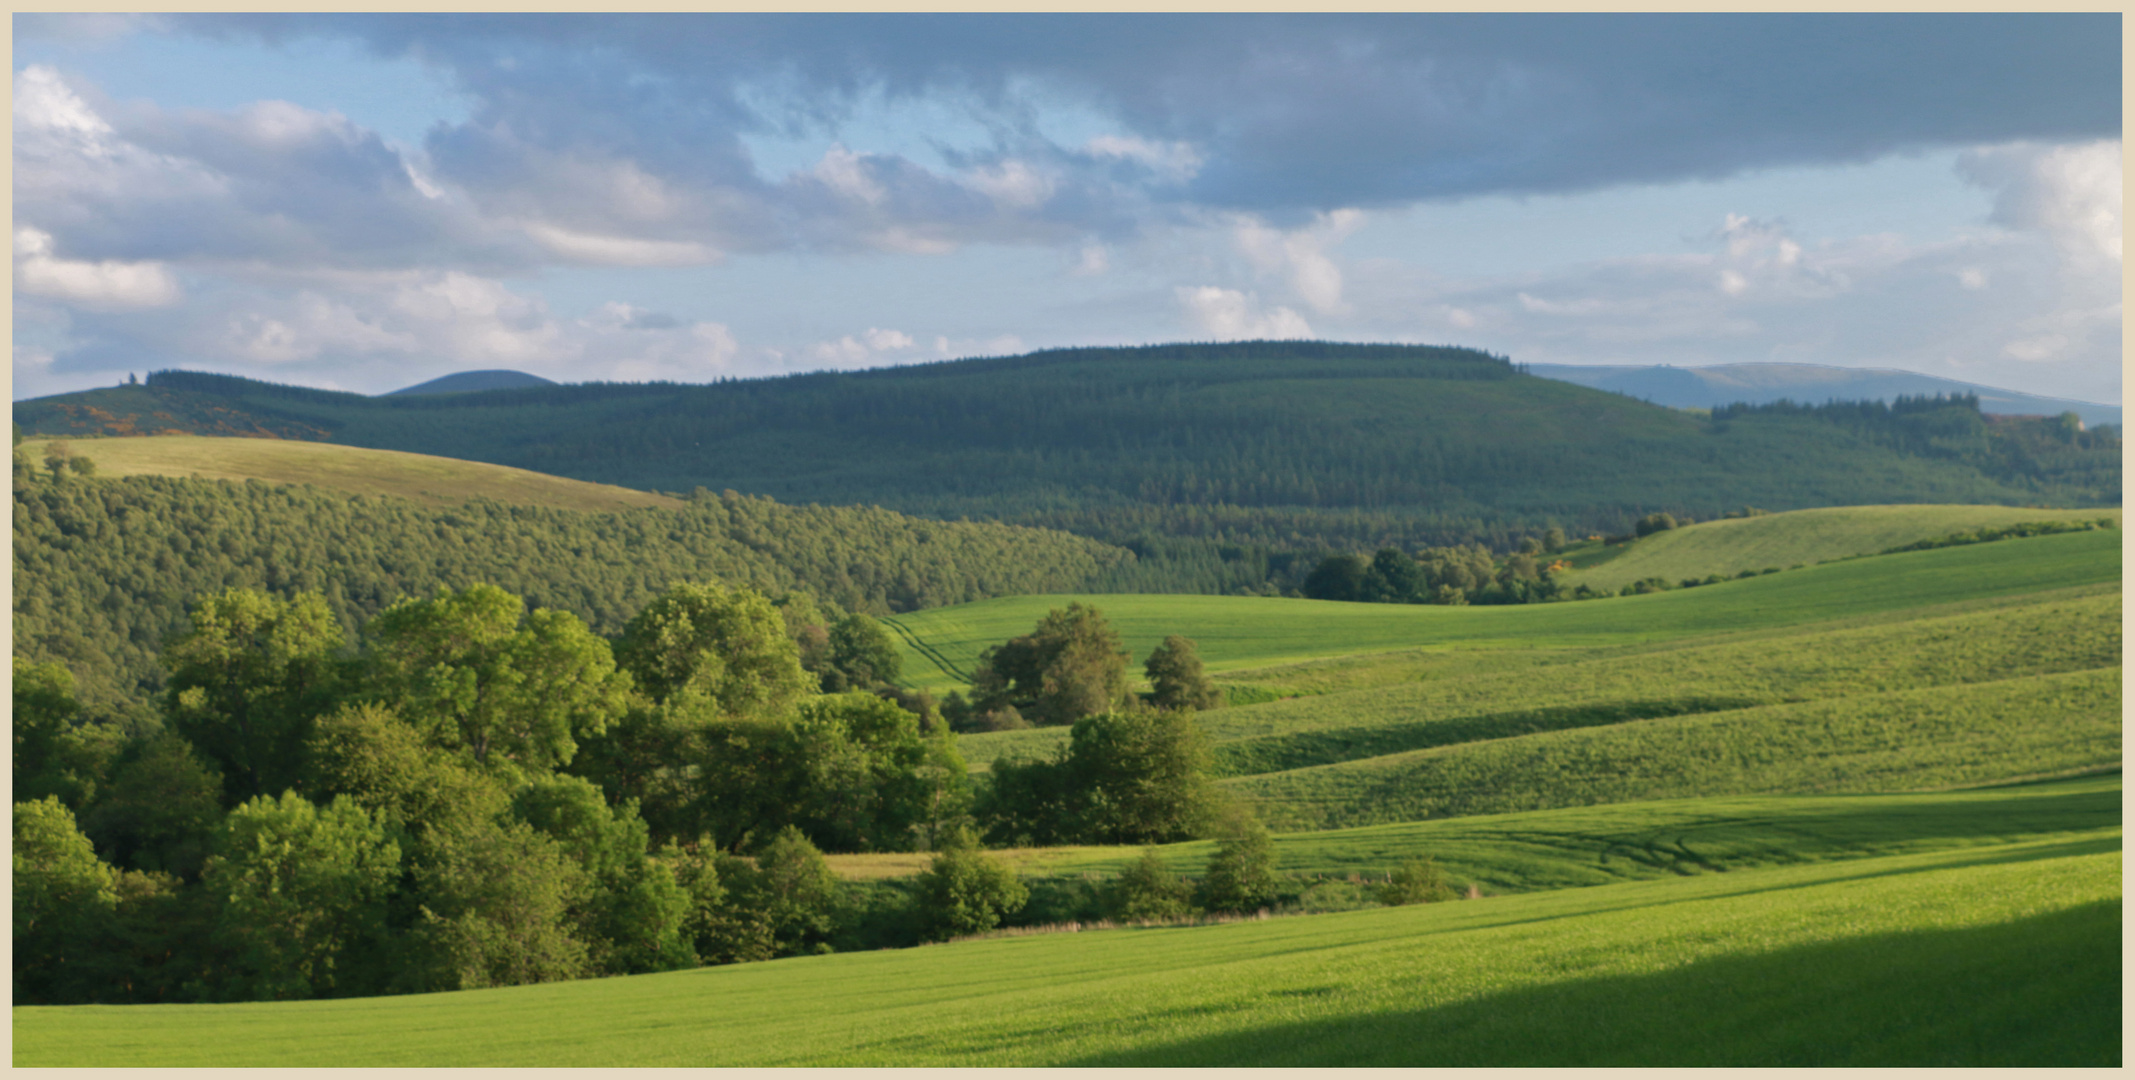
(1800, 537)
(941, 645)
(1996, 955)
(1902, 740)
(1418, 699)
(1598, 845)
(435, 480)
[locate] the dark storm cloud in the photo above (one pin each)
(1291, 113)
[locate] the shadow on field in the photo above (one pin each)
(2041, 991)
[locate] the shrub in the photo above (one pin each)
(965, 891)
(1147, 889)
(1418, 881)
(1241, 875)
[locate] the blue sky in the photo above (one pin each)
(368, 201)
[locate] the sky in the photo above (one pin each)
(364, 202)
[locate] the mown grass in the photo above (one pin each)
(1797, 538)
(427, 479)
(1997, 955)
(1581, 846)
(1235, 632)
(1909, 739)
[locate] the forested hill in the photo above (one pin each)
(1283, 444)
(104, 568)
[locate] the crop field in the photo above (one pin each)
(941, 645)
(1797, 538)
(433, 480)
(1988, 955)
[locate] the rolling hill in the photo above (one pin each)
(464, 382)
(433, 480)
(1731, 545)
(1757, 384)
(1247, 449)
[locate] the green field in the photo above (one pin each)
(1579, 846)
(941, 645)
(1993, 955)
(1797, 538)
(434, 480)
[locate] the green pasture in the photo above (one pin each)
(1797, 538)
(1996, 955)
(941, 645)
(1946, 736)
(1580, 846)
(434, 480)
(1410, 701)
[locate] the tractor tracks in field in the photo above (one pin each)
(933, 655)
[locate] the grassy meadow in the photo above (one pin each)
(1797, 538)
(1865, 812)
(941, 645)
(427, 479)
(1986, 955)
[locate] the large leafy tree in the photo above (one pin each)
(474, 672)
(62, 893)
(709, 647)
(1070, 666)
(862, 656)
(248, 679)
(303, 896)
(1177, 679)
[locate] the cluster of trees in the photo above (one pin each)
(479, 795)
(1072, 665)
(103, 567)
(1468, 574)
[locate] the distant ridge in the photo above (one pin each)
(463, 382)
(1762, 384)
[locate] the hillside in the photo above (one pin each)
(1985, 955)
(1802, 537)
(1263, 447)
(464, 382)
(104, 568)
(433, 480)
(941, 644)
(1757, 384)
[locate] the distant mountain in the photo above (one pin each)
(1762, 384)
(464, 382)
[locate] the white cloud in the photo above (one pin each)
(1175, 162)
(1230, 315)
(2071, 192)
(1013, 184)
(1093, 261)
(1301, 255)
(620, 250)
(845, 172)
(1972, 277)
(108, 283)
(854, 351)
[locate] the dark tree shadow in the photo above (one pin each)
(2040, 991)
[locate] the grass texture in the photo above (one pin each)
(1995, 955)
(1797, 538)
